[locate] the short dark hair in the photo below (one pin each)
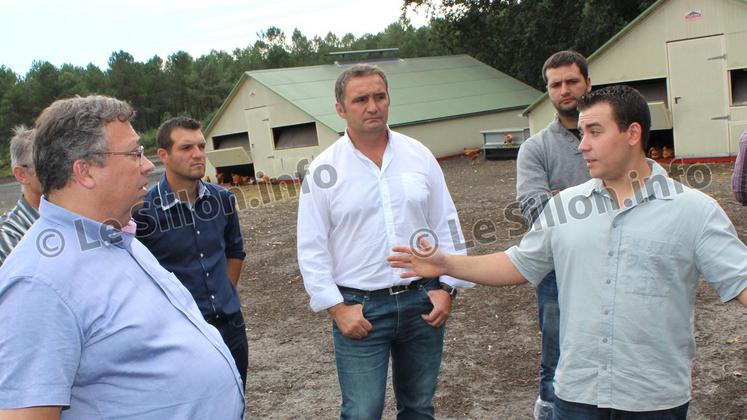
(74, 129)
(163, 136)
(628, 107)
(566, 58)
(357, 70)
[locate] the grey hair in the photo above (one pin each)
(74, 129)
(21, 146)
(357, 70)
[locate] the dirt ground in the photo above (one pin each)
(491, 355)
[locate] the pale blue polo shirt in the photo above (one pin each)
(93, 323)
(626, 285)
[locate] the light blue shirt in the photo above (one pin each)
(627, 279)
(92, 322)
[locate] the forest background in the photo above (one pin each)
(513, 36)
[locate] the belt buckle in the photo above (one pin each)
(392, 292)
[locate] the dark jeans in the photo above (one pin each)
(415, 349)
(549, 321)
(565, 410)
(233, 331)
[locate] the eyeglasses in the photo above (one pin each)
(137, 153)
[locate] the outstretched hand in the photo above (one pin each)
(423, 261)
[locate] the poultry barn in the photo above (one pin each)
(275, 121)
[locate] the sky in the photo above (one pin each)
(85, 31)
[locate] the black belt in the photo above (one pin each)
(389, 291)
(218, 320)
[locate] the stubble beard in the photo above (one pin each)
(571, 112)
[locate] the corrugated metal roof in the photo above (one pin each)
(421, 89)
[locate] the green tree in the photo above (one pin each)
(178, 69)
(517, 36)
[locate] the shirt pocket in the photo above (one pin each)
(415, 186)
(649, 266)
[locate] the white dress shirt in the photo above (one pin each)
(351, 213)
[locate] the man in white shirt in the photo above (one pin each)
(370, 190)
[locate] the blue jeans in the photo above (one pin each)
(415, 349)
(565, 410)
(549, 322)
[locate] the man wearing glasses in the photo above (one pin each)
(19, 219)
(92, 324)
(192, 228)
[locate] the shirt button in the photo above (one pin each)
(202, 255)
(606, 312)
(604, 340)
(212, 296)
(207, 274)
(610, 253)
(198, 232)
(614, 225)
(609, 281)
(604, 367)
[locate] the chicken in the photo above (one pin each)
(473, 153)
(654, 153)
(508, 138)
(667, 153)
(264, 179)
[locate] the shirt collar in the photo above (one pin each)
(168, 199)
(27, 207)
(558, 128)
(388, 153)
(94, 232)
(659, 185)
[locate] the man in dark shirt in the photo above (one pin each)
(193, 229)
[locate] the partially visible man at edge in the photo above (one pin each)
(549, 162)
(92, 324)
(192, 228)
(19, 219)
(739, 178)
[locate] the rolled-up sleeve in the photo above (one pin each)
(40, 346)
(232, 234)
(720, 256)
(533, 257)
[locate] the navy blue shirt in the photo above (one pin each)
(194, 242)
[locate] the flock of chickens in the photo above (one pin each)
(656, 152)
(236, 180)
(660, 153)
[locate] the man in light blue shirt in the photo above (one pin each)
(93, 326)
(628, 247)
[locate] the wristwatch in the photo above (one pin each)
(452, 291)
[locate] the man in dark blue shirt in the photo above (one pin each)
(193, 230)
